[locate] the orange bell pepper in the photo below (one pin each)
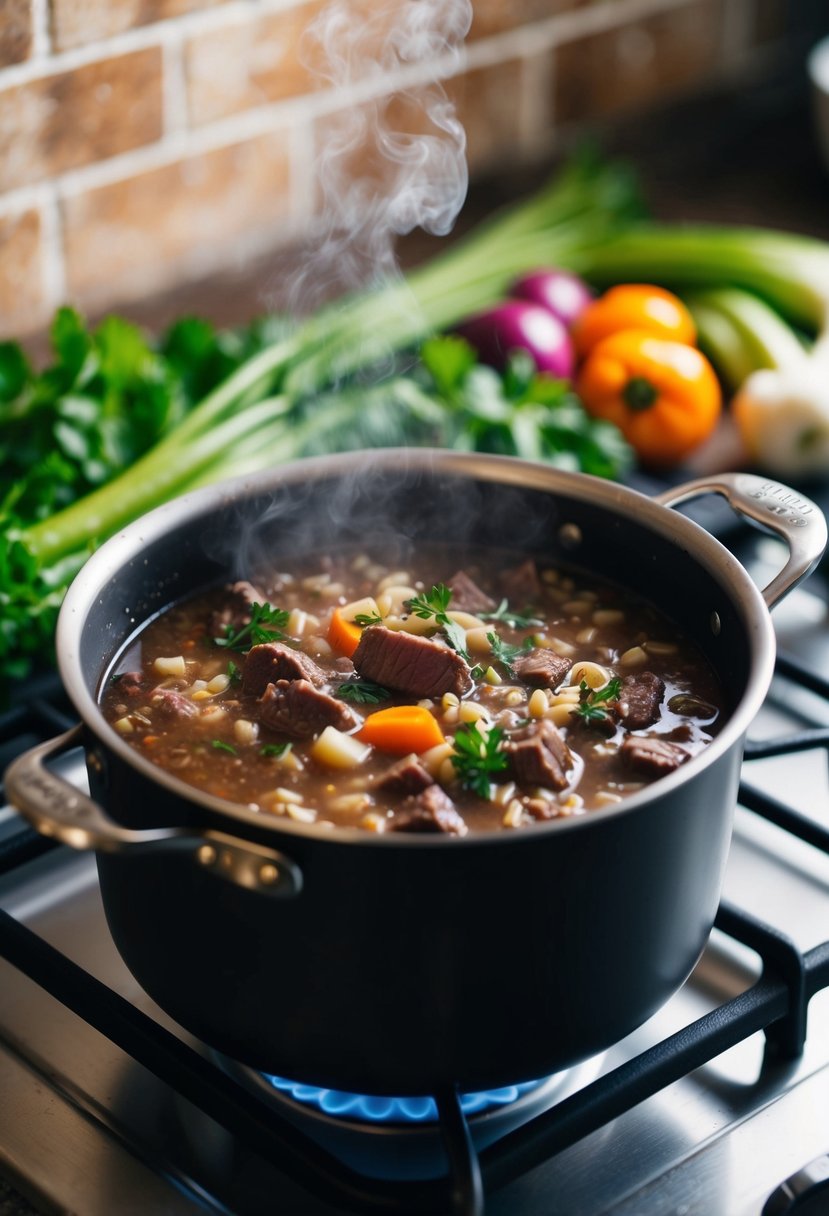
(343, 635)
(664, 396)
(401, 729)
(633, 306)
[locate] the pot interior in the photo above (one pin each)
(390, 507)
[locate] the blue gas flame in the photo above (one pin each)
(370, 1109)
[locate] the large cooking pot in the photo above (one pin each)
(401, 963)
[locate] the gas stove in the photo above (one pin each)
(718, 1104)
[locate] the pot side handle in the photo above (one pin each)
(56, 808)
(772, 506)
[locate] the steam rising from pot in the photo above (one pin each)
(386, 162)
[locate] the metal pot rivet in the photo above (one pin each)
(268, 875)
(716, 624)
(206, 855)
(570, 536)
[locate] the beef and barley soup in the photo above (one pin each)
(436, 697)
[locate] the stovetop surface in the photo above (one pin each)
(85, 1129)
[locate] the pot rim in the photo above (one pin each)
(129, 542)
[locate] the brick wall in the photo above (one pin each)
(145, 142)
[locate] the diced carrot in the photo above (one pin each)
(150, 740)
(401, 729)
(342, 634)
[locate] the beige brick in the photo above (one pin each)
(81, 22)
(367, 154)
(147, 232)
(638, 64)
(495, 16)
(74, 118)
(15, 31)
(22, 303)
(250, 63)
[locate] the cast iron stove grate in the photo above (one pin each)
(775, 1004)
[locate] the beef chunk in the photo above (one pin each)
(406, 776)
(410, 664)
(273, 661)
(129, 683)
(235, 610)
(652, 757)
(521, 584)
(432, 810)
(639, 700)
(538, 755)
(171, 705)
(467, 596)
(297, 709)
(542, 668)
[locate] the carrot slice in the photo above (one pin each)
(401, 729)
(342, 634)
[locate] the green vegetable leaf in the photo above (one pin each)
(234, 673)
(514, 619)
(275, 749)
(363, 692)
(478, 757)
(592, 705)
(219, 745)
(368, 618)
(14, 371)
(435, 604)
(505, 652)
(448, 359)
(265, 625)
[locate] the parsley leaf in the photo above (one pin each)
(505, 652)
(514, 619)
(477, 757)
(234, 673)
(363, 692)
(368, 618)
(265, 625)
(221, 746)
(436, 604)
(591, 707)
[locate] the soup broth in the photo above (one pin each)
(430, 696)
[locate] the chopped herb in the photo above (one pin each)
(368, 618)
(265, 625)
(436, 604)
(593, 701)
(221, 746)
(234, 673)
(274, 749)
(477, 757)
(363, 692)
(505, 652)
(477, 672)
(514, 619)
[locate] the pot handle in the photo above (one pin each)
(790, 515)
(58, 809)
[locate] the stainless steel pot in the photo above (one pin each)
(402, 963)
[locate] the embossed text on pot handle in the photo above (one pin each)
(57, 809)
(788, 513)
